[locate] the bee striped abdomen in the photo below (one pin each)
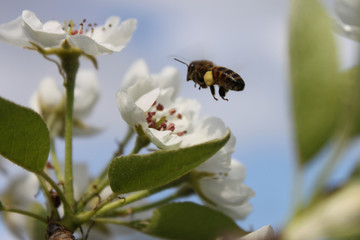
(228, 79)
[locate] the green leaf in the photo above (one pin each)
(188, 221)
(1, 206)
(316, 87)
(138, 172)
(24, 137)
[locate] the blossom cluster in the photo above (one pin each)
(150, 101)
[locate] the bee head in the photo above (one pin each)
(190, 72)
(192, 66)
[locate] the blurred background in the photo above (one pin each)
(249, 37)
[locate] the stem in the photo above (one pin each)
(112, 221)
(135, 197)
(70, 65)
(99, 183)
(139, 144)
(26, 213)
(62, 197)
(91, 194)
(184, 191)
(51, 208)
(55, 161)
(85, 216)
(124, 142)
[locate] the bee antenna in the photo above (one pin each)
(181, 62)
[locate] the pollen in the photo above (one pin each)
(208, 78)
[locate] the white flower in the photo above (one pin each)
(168, 77)
(349, 19)
(49, 102)
(20, 194)
(148, 101)
(264, 233)
(92, 39)
(227, 193)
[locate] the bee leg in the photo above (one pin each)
(222, 93)
(212, 89)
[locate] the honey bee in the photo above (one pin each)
(207, 74)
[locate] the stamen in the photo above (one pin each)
(159, 107)
(172, 111)
(179, 116)
(163, 126)
(171, 127)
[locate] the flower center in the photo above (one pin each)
(162, 120)
(82, 28)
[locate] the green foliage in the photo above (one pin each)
(188, 221)
(315, 82)
(138, 172)
(24, 137)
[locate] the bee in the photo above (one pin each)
(207, 74)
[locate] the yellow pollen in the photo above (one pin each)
(208, 78)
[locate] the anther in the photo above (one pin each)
(171, 127)
(179, 116)
(159, 107)
(172, 111)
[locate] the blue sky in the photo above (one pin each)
(249, 37)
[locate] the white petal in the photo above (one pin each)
(34, 102)
(16, 223)
(168, 77)
(142, 87)
(112, 39)
(129, 111)
(91, 47)
(49, 34)
(238, 170)
(147, 100)
(138, 70)
(13, 33)
(163, 139)
(49, 94)
(236, 212)
(226, 191)
(119, 35)
(21, 191)
(86, 92)
(264, 233)
(206, 130)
